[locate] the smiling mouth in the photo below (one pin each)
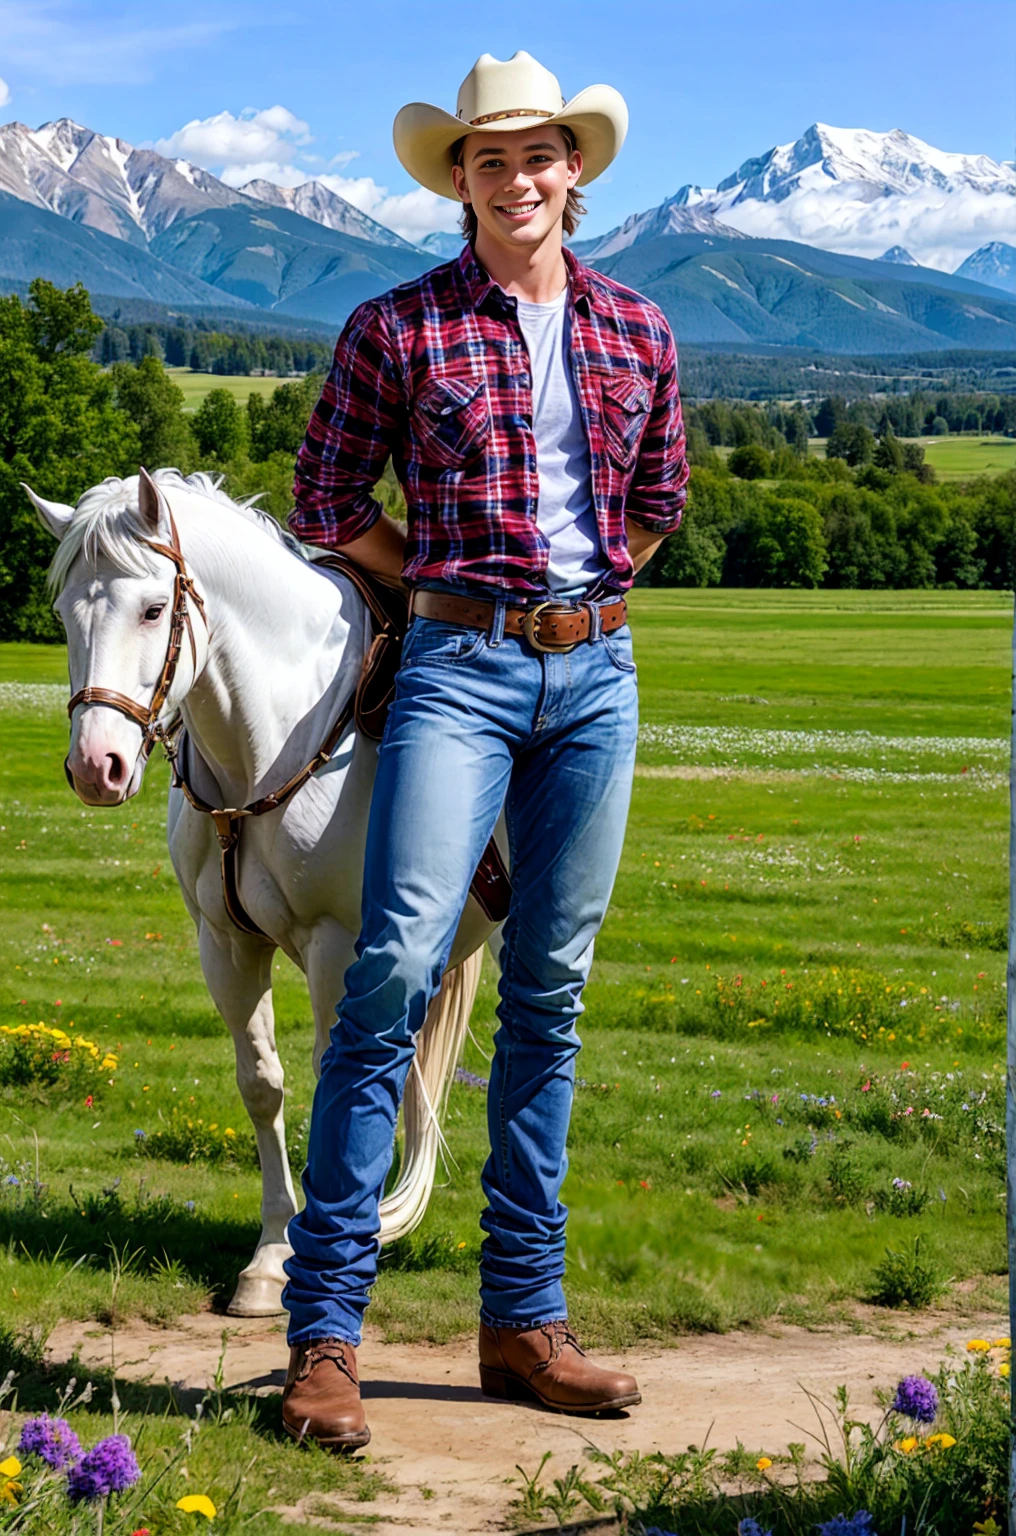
(515, 210)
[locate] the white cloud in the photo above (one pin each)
(411, 214)
(5, 93)
(254, 143)
(271, 144)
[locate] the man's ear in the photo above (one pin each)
(153, 506)
(54, 514)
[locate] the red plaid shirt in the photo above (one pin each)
(436, 374)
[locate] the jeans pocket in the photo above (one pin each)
(619, 649)
(428, 640)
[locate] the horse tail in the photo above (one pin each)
(438, 1046)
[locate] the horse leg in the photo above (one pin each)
(238, 971)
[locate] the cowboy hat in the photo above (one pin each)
(498, 96)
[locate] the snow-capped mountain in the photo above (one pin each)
(313, 200)
(899, 257)
(854, 191)
(681, 214)
(994, 264)
(104, 182)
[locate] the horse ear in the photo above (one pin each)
(55, 516)
(152, 504)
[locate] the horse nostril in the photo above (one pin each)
(116, 768)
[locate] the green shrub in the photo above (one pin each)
(906, 1279)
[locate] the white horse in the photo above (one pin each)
(261, 682)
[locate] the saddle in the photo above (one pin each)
(368, 710)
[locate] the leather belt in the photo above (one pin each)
(548, 626)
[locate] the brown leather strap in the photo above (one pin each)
(548, 626)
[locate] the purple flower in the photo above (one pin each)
(916, 1398)
(750, 1527)
(52, 1440)
(109, 1467)
(857, 1525)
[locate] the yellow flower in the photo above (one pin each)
(907, 1445)
(197, 1504)
(10, 1468)
(1003, 1370)
(945, 1441)
(764, 1463)
(1002, 1344)
(9, 1493)
(978, 1346)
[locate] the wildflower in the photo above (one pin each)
(109, 1467)
(1003, 1370)
(764, 1463)
(9, 1492)
(750, 1527)
(978, 1346)
(1002, 1344)
(944, 1441)
(901, 1185)
(857, 1525)
(52, 1440)
(140, 1135)
(907, 1445)
(199, 1504)
(916, 1398)
(10, 1468)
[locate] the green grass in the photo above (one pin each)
(964, 457)
(959, 457)
(820, 807)
(196, 386)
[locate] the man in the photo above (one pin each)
(530, 406)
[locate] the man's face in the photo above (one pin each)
(518, 183)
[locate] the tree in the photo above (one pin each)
(155, 404)
(278, 425)
(889, 453)
(852, 441)
(939, 426)
(778, 543)
(831, 412)
(60, 432)
(220, 426)
(749, 462)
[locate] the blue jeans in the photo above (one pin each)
(477, 721)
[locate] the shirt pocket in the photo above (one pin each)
(451, 420)
(624, 404)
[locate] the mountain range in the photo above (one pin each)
(746, 263)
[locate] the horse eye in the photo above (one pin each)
(154, 611)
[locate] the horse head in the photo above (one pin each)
(135, 641)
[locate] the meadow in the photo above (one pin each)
(196, 386)
(792, 1092)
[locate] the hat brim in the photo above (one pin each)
(424, 135)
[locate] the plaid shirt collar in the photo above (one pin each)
(483, 292)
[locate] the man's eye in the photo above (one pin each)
(154, 611)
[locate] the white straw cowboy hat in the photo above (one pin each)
(497, 96)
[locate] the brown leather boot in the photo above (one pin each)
(321, 1398)
(548, 1365)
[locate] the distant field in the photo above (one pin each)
(953, 458)
(961, 458)
(196, 386)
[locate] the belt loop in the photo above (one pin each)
(496, 634)
(595, 622)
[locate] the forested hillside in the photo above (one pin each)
(765, 514)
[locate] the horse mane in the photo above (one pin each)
(107, 522)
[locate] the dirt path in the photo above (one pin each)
(432, 1428)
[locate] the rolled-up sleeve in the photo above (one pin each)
(659, 487)
(354, 427)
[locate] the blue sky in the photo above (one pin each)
(707, 85)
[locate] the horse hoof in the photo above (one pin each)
(257, 1296)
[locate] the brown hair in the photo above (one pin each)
(574, 206)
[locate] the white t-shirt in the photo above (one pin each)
(565, 513)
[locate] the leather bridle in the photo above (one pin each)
(148, 718)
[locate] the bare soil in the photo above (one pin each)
(453, 1453)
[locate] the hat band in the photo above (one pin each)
(497, 117)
